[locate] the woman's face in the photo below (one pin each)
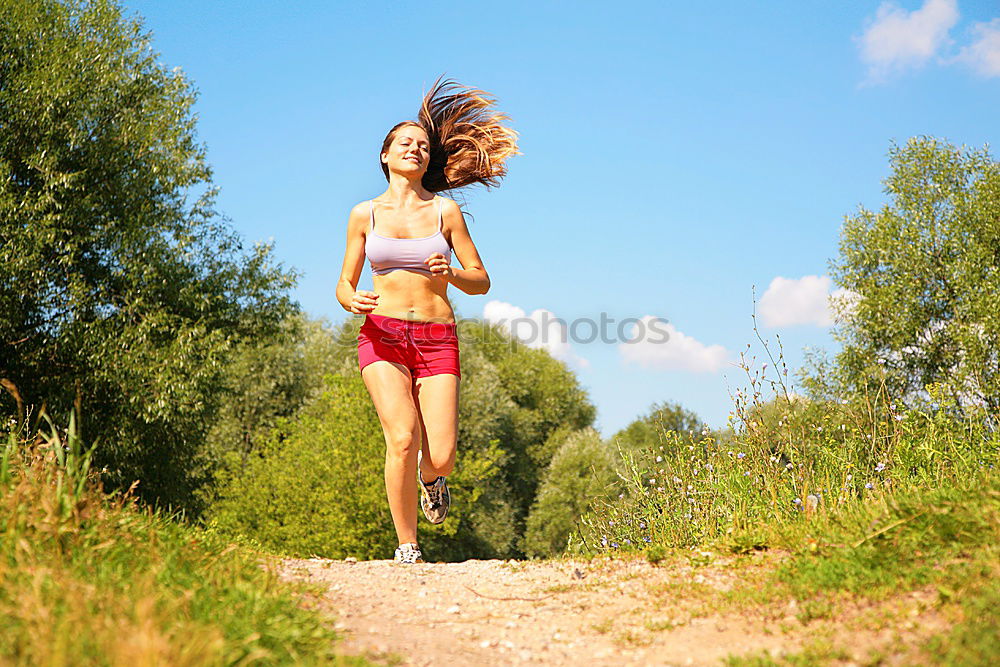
(409, 151)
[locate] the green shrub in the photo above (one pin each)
(581, 471)
(317, 487)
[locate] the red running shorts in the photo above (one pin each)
(425, 348)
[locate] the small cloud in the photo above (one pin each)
(983, 55)
(805, 300)
(898, 40)
(540, 330)
(655, 343)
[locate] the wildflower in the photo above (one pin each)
(763, 368)
(708, 467)
(868, 485)
(677, 480)
(652, 482)
(604, 542)
(614, 545)
(899, 418)
(819, 429)
(741, 455)
(880, 467)
(659, 459)
(646, 539)
(746, 474)
(789, 466)
(850, 477)
(642, 525)
(611, 523)
(628, 541)
(797, 501)
(690, 488)
(620, 496)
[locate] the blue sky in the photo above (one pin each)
(675, 155)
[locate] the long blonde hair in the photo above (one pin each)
(469, 141)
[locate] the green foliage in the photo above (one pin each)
(90, 579)
(789, 459)
(120, 287)
(544, 396)
(315, 487)
(925, 272)
(265, 380)
(647, 431)
(581, 471)
(315, 483)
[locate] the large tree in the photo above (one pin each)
(925, 275)
(121, 288)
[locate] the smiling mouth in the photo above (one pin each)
(413, 159)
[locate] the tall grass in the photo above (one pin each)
(86, 578)
(786, 460)
(870, 498)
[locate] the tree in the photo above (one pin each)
(122, 291)
(581, 471)
(924, 272)
(647, 432)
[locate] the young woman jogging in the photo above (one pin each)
(407, 345)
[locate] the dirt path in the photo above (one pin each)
(604, 612)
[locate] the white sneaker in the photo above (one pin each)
(408, 554)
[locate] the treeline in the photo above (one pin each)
(128, 302)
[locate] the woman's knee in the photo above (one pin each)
(442, 462)
(402, 444)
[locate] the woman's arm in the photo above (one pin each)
(472, 277)
(352, 299)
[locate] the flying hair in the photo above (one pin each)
(469, 140)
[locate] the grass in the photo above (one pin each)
(867, 500)
(86, 578)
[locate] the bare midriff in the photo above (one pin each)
(409, 295)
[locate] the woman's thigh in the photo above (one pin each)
(390, 386)
(436, 399)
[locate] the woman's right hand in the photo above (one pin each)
(363, 301)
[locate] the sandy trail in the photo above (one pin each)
(603, 612)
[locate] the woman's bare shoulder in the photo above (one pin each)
(359, 214)
(450, 208)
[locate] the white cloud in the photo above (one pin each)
(541, 329)
(898, 39)
(657, 344)
(983, 55)
(805, 300)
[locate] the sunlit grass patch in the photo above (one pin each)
(91, 579)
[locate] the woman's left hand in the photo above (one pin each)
(439, 266)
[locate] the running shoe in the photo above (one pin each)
(435, 499)
(408, 554)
